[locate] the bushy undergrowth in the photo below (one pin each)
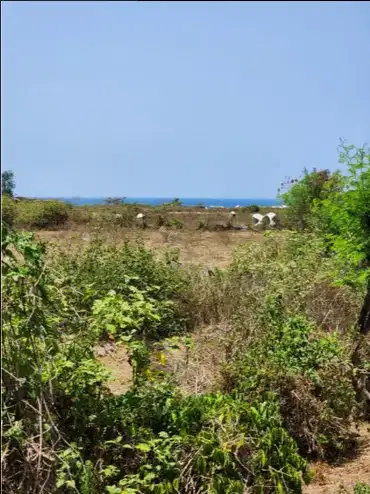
(127, 287)
(42, 214)
(8, 209)
(286, 396)
(62, 429)
(310, 373)
(294, 266)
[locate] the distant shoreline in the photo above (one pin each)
(186, 202)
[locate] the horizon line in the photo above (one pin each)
(149, 197)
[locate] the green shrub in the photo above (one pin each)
(343, 218)
(161, 220)
(203, 225)
(42, 214)
(134, 273)
(136, 314)
(253, 208)
(361, 488)
(307, 370)
(300, 196)
(225, 444)
(176, 223)
(8, 209)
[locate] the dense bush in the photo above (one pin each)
(139, 281)
(300, 196)
(343, 218)
(295, 266)
(253, 208)
(42, 214)
(362, 488)
(310, 373)
(8, 209)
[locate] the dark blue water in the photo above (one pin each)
(195, 201)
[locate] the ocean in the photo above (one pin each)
(186, 201)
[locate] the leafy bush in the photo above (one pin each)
(211, 442)
(253, 208)
(134, 274)
(42, 214)
(362, 488)
(203, 225)
(176, 223)
(300, 196)
(307, 370)
(343, 217)
(136, 314)
(8, 209)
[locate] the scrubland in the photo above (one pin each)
(187, 360)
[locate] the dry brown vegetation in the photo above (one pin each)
(208, 248)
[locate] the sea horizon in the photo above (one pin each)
(186, 201)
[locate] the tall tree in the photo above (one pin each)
(345, 220)
(7, 183)
(300, 195)
(345, 217)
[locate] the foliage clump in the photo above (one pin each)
(309, 372)
(42, 214)
(8, 209)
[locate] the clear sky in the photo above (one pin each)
(186, 99)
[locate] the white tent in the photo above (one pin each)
(257, 219)
(271, 217)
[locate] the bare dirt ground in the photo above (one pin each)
(115, 359)
(342, 478)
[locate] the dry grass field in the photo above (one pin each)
(212, 249)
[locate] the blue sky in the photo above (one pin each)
(198, 99)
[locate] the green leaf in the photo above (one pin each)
(144, 447)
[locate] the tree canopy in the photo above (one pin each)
(7, 183)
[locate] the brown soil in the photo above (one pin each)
(342, 478)
(115, 359)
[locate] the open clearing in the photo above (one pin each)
(209, 248)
